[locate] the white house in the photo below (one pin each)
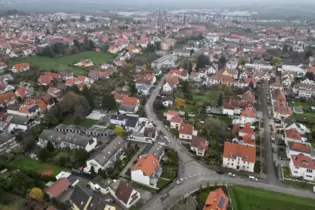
(167, 61)
(302, 166)
(7, 142)
(199, 145)
(144, 171)
(186, 131)
(295, 70)
(292, 135)
(107, 157)
(239, 157)
(248, 116)
(171, 83)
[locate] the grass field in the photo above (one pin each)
(246, 198)
(63, 63)
(26, 163)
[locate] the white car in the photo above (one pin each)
(179, 181)
(231, 174)
(253, 178)
(314, 189)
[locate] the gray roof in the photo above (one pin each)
(5, 136)
(57, 137)
(156, 150)
(19, 120)
(73, 127)
(105, 155)
(80, 197)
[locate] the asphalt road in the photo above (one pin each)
(195, 174)
(268, 155)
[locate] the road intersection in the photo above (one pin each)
(195, 174)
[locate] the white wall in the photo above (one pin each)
(184, 136)
(307, 174)
(238, 164)
(138, 176)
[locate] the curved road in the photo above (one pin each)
(195, 174)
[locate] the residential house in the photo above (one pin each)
(80, 198)
(180, 73)
(186, 131)
(167, 44)
(144, 82)
(20, 67)
(3, 66)
(167, 100)
(239, 157)
(129, 105)
(21, 92)
(167, 61)
(217, 200)
(84, 63)
(66, 140)
(58, 188)
(199, 145)
(302, 166)
(147, 134)
(248, 116)
(108, 156)
(175, 122)
(302, 129)
(130, 122)
(304, 90)
(295, 148)
(171, 83)
(170, 114)
(47, 78)
(295, 70)
(279, 103)
(144, 171)
(292, 135)
(7, 142)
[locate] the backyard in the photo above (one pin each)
(66, 62)
(247, 198)
(70, 120)
(26, 163)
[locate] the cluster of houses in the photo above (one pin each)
(101, 194)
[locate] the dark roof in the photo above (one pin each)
(80, 197)
(131, 121)
(106, 154)
(289, 120)
(5, 136)
(156, 150)
(124, 191)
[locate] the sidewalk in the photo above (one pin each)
(134, 158)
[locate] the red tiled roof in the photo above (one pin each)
(248, 96)
(249, 113)
(45, 79)
(177, 119)
(21, 66)
(58, 187)
(172, 80)
(186, 129)
(247, 129)
(7, 97)
(247, 153)
(147, 164)
(300, 147)
(217, 200)
(21, 91)
(302, 161)
(248, 140)
(293, 134)
(130, 100)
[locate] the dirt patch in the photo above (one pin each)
(47, 172)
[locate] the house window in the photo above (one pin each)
(309, 170)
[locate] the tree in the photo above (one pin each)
(50, 147)
(92, 171)
(119, 131)
(105, 47)
(180, 102)
(222, 61)
(133, 89)
(36, 194)
(223, 182)
(91, 45)
(89, 96)
(109, 102)
(81, 155)
(86, 43)
(220, 100)
(47, 52)
(37, 41)
(150, 48)
(77, 44)
(215, 183)
(251, 85)
(208, 185)
(43, 154)
(202, 61)
(276, 60)
(157, 46)
(47, 32)
(308, 53)
(200, 188)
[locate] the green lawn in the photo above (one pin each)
(210, 97)
(66, 62)
(246, 198)
(84, 122)
(162, 183)
(297, 103)
(169, 174)
(302, 185)
(26, 163)
(307, 117)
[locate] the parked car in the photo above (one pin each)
(231, 174)
(179, 181)
(313, 189)
(253, 178)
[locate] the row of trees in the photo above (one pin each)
(58, 49)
